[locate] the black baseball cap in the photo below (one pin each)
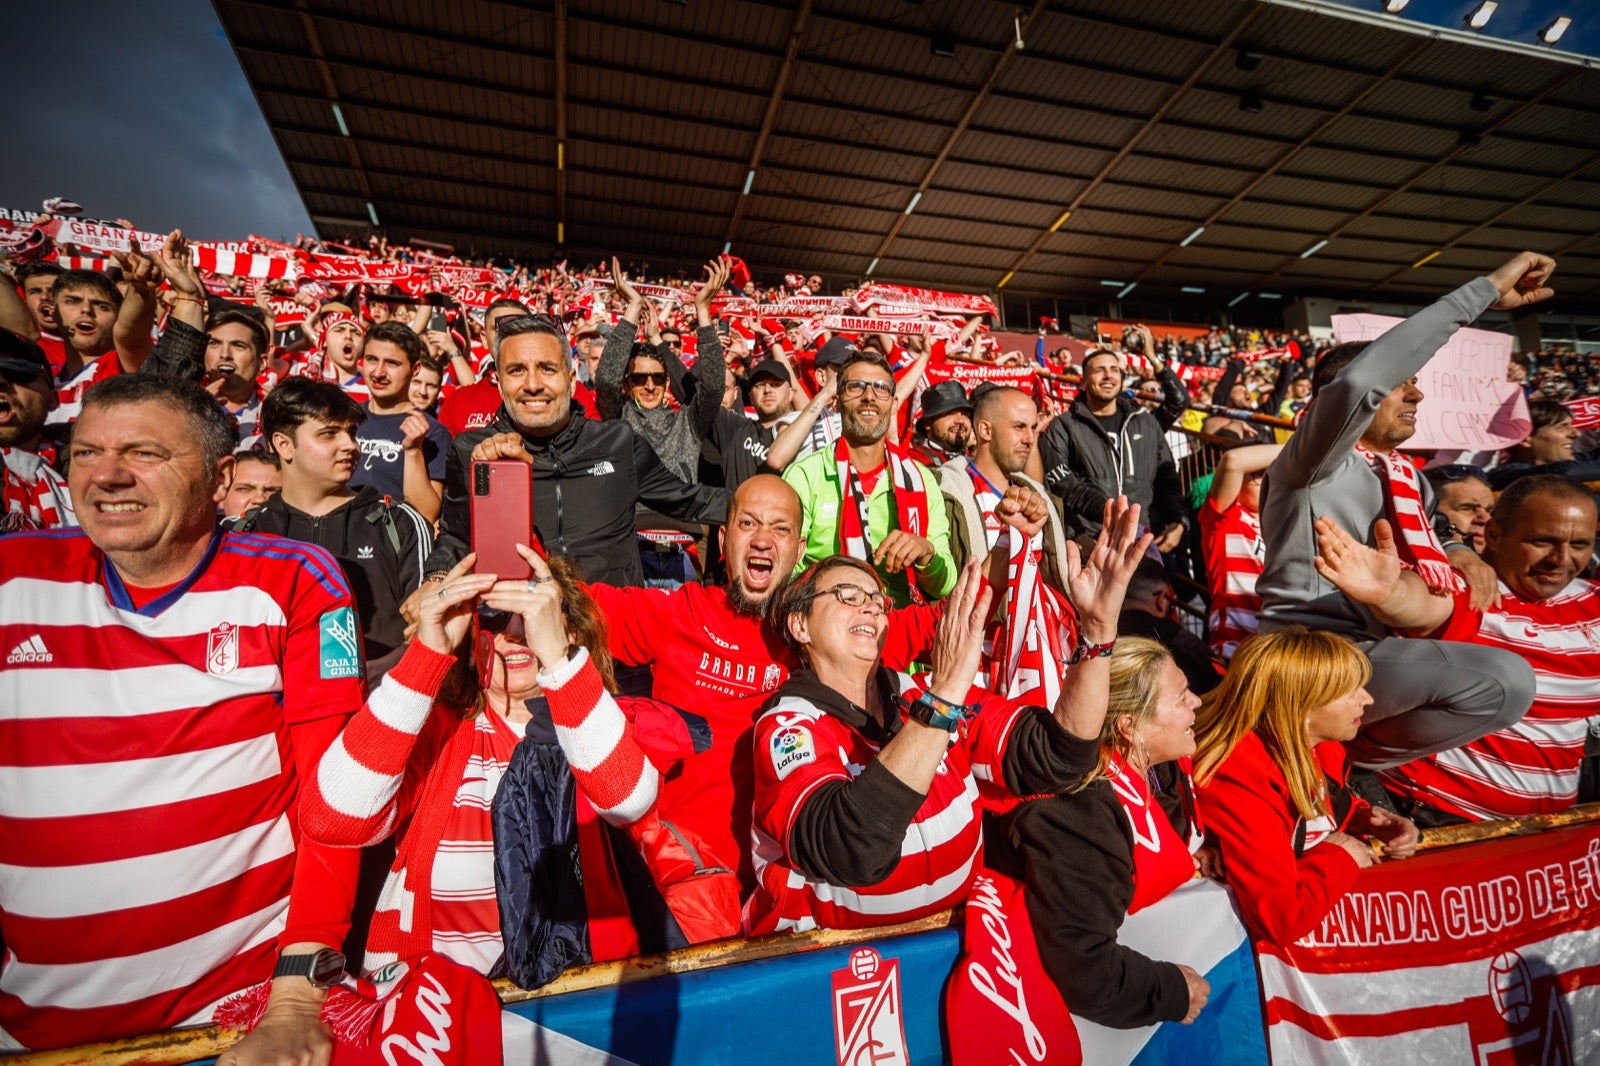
(941, 399)
(22, 360)
(768, 368)
(837, 352)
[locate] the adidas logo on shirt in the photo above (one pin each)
(31, 650)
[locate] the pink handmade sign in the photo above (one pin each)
(1469, 403)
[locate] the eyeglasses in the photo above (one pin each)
(884, 389)
(641, 380)
(856, 596)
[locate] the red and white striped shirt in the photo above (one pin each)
(148, 780)
(33, 495)
(69, 391)
(799, 747)
(1531, 767)
(1235, 554)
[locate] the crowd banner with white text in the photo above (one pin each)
(1486, 954)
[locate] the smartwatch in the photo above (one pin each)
(322, 968)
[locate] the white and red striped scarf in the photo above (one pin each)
(33, 496)
(1419, 547)
(910, 503)
(1035, 627)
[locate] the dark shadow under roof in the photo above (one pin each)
(594, 127)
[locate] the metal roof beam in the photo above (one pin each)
(780, 85)
(1417, 176)
(1151, 123)
(961, 125)
(314, 47)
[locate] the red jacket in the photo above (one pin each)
(1247, 805)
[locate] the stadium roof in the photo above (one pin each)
(1238, 146)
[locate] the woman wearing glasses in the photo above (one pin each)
(495, 664)
(867, 781)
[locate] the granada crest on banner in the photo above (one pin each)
(868, 1027)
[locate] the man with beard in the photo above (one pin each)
(587, 475)
(870, 499)
(1106, 446)
(34, 496)
(944, 428)
(742, 443)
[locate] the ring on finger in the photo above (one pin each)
(442, 590)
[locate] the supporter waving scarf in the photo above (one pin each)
(1034, 629)
(910, 504)
(1419, 547)
(429, 1009)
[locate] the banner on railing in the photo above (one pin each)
(1484, 954)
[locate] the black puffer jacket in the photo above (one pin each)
(1086, 466)
(380, 546)
(586, 479)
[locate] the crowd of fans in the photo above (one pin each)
(609, 617)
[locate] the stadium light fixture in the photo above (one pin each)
(1552, 33)
(1480, 15)
(749, 180)
(1246, 60)
(1482, 102)
(915, 200)
(1112, 284)
(561, 233)
(372, 213)
(1250, 103)
(727, 247)
(1191, 237)
(1425, 260)
(1270, 295)
(1314, 249)
(1058, 223)
(944, 44)
(1009, 275)
(871, 267)
(1130, 287)
(1193, 288)
(1239, 299)
(1394, 7)
(338, 116)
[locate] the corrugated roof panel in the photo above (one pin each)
(803, 121)
(1181, 177)
(1276, 216)
(865, 89)
(967, 231)
(866, 161)
(1002, 150)
(982, 179)
(990, 210)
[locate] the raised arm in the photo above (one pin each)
(787, 444)
(1235, 465)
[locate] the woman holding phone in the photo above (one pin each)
(493, 662)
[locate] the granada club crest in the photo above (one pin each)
(868, 1028)
(222, 649)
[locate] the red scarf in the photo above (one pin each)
(1419, 547)
(32, 495)
(1036, 626)
(1162, 860)
(427, 1009)
(910, 504)
(1002, 1005)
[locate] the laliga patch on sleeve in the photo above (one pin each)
(792, 746)
(340, 650)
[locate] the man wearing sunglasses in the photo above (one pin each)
(869, 499)
(34, 496)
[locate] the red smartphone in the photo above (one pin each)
(502, 516)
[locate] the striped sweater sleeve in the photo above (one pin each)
(597, 739)
(351, 801)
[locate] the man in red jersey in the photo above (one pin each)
(166, 687)
(1539, 540)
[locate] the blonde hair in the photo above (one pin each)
(1273, 681)
(1136, 668)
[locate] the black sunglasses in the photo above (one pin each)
(493, 621)
(1454, 472)
(647, 379)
